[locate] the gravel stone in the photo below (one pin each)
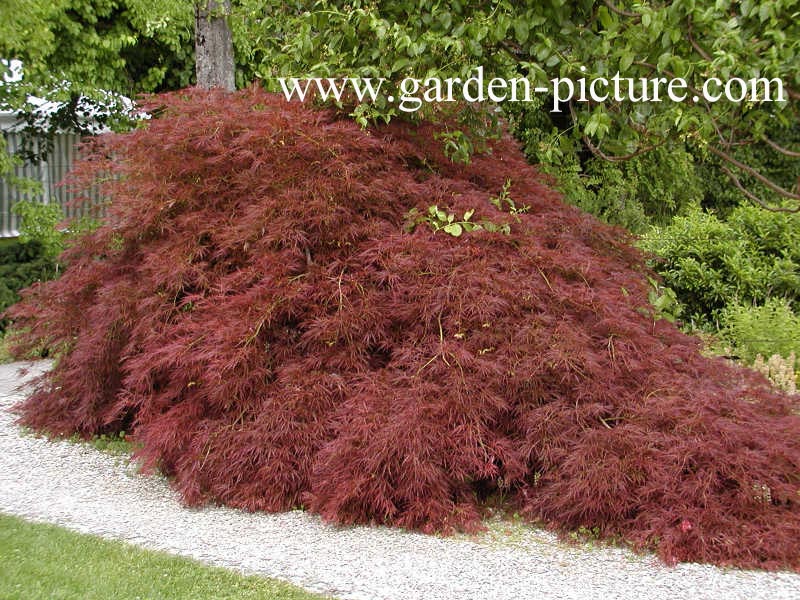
(78, 487)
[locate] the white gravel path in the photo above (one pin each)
(78, 487)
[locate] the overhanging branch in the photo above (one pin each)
(698, 48)
(732, 176)
(623, 13)
(753, 173)
(619, 158)
(781, 149)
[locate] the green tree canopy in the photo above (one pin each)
(126, 46)
(752, 147)
(578, 39)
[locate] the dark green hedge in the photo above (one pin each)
(21, 264)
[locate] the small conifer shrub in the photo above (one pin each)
(259, 319)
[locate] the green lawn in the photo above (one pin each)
(44, 561)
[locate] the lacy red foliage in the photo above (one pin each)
(255, 314)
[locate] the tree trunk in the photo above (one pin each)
(213, 44)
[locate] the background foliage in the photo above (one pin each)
(739, 275)
(542, 40)
(709, 262)
(21, 265)
(33, 257)
(126, 46)
(771, 328)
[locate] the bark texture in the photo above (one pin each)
(214, 45)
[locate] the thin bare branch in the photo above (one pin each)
(672, 75)
(512, 48)
(755, 174)
(753, 197)
(617, 158)
(698, 48)
(752, 172)
(781, 149)
(611, 157)
(624, 13)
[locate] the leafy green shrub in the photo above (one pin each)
(22, 264)
(646, 190)
(772, 328)
(777, 234)
(39, 224)
(712, 264)
(32, 257)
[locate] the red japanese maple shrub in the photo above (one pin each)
(256, 315)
